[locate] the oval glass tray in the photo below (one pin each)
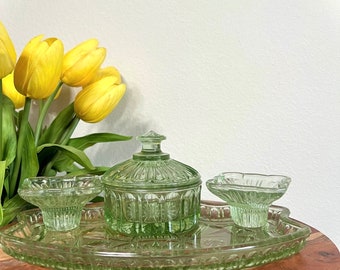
(217, 244)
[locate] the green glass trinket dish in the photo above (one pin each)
(152, 194)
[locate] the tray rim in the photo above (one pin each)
(300, 234)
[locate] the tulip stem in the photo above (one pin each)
(21, 141)
(43, 113)
(1, 106)
(69, 131)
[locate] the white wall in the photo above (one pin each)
(234, 85)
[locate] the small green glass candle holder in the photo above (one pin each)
(249, 195)
(60, 198)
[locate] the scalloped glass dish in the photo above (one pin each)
(217, 244)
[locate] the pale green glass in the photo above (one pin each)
(249, 195)
(152, 194)
(60, 198)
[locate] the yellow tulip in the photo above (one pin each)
(7, 53)
(106, 72)
(39, 67)
(82, 63)
(97, 100)
(9, 90)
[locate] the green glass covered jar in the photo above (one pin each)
(151, 194)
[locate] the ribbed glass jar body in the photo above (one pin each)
(158, 212)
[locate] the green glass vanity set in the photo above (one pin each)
(153, 217)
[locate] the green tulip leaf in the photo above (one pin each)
(68, 166)
(57, 128)
(1, 214)
(2, 180)
(12, 208)
(98, 199)
(29, 159)
(90, 140)
(64, 163)
(8, 131)
(73, 153)
(7, 181)
(2, 175)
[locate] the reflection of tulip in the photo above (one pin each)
(9, 90)
(7, 53)
(97, 99)
(38, 70)
(82, 63)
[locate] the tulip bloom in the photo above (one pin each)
(39, 67)
(7, 53)
(9, 90)
(82, 63)
(98, 99)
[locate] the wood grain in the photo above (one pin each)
(320, 253)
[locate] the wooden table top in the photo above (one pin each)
(320, 253)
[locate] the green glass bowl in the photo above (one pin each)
(60, 198)
(249, 195)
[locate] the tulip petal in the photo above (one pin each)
(82, 63)
(25, 65)
(85, 69)
(7, 53)
(98, 99)
(78, 52)
(6, 63)
(46, 75)
(38, 70)
(106, 72)
(9, 90)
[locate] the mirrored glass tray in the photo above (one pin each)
(217, 244)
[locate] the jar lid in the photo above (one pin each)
(151, 168)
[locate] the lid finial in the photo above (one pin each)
(151, 146)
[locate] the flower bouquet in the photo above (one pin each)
(46, 149)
